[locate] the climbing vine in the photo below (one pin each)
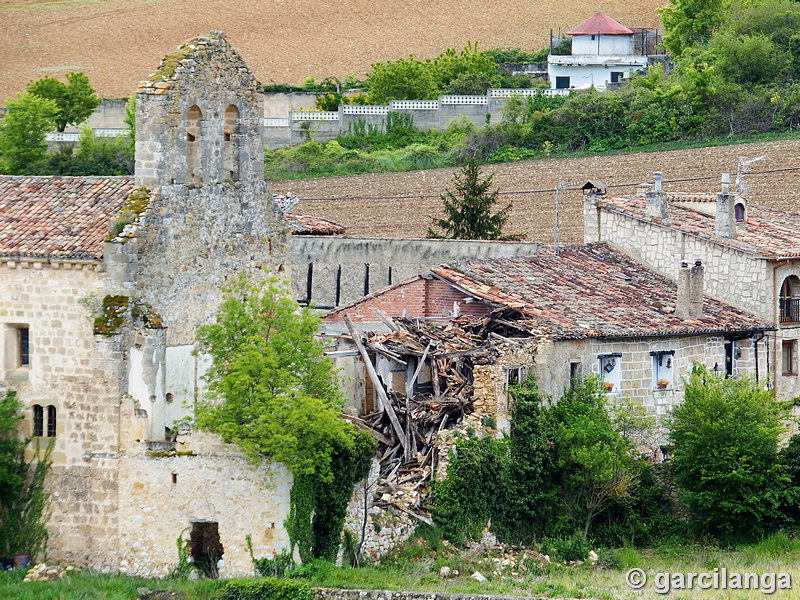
(275, 394)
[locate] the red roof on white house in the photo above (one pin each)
(602, 24)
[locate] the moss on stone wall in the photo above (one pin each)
(113, 311)
(112, 315)
(130, 212)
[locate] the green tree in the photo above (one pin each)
(468, 209)
(749, 59)
(469, 64)
(530, 507)
(276, 396)
(689, 23)
(593, 460)
(402, 80)
(725, 453)
(23, 497)
(23, 148)
(76, 99)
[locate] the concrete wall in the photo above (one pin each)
(338, 271)
(600, 45)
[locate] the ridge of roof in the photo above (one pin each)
(768, 232)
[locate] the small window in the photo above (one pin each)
(616, 76)
(663, 378)
(787, 357)
(17, 349)
(562, 83)
(575, 375)
(739, 212)
(788, 302)
(38, 421)
(51, 421)
(24, 346)
(610, 372)
(515, 375)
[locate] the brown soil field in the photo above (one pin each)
(117, 43)
(402, 204)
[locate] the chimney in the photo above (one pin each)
(690, 291)
(656, 200)
(725, 219)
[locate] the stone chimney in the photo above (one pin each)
(690, 291)
(725, 219)
(656, 200)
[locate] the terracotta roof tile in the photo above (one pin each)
(589, 291)
(58, 217)
(768, 232)
(308, 225)
(600, 23)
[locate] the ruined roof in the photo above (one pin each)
(602, 24)
(589, 291)
(58, 217)
(186, 58)
(308, 225)
(768, 232)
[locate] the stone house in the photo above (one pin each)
(603, 52)
(751, 256)
(561, 314)
(104, 283)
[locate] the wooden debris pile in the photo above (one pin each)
(407, 423)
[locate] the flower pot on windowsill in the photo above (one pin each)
(662, 384)
(608, 387)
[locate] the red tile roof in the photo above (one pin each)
(308, 225)
(589, 291)
(768, 232)
(602, 24)
(58, 217)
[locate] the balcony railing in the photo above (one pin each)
(789, 310)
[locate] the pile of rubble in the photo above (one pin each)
(43, 572)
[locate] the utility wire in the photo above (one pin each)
(550, 190)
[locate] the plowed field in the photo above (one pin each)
(401, 205)
(117, 43)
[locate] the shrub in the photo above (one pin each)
(274, 567)
(725, 455)
(568, 549)
(266, 589)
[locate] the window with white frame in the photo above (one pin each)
(610, 371)
(663, 369)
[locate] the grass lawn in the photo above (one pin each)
(416, 568)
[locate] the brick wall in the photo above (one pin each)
(421, 297)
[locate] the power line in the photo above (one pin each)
(549, 190)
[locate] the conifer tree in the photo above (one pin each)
(468, 208)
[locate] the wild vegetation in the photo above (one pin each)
(279, 399)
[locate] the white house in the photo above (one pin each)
(603, 52)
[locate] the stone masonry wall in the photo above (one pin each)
(193, 241)
(199, 118)
(74, 373)
(161, 496)
(333, 272)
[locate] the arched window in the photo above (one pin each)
(789, 300)
(38, 421)
(194, 120)
(230, 148)
(51, 421)
(739, 212)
